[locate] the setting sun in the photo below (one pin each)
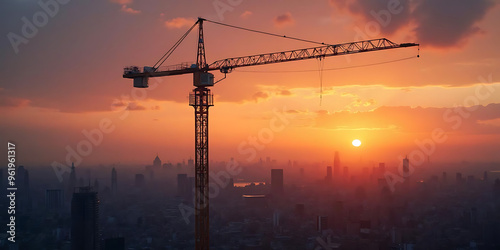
(356, 143)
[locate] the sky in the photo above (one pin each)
(63, 98)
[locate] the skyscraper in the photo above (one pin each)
(182, 185)
(277, 181)
(321, 223)
(71, 182)
(406, 167)
(328, 177)
(85, 220)
(114, 181)
(336, 165)
(157, 162)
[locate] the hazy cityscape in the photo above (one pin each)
(264, 205)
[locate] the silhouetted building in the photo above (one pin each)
(114, 244)
(157, 162)
(328, 177)
(54, 200)
(364, 229)
(485, 176)
(321, 223)
(336, 165)
(406, 167)
(71, 182)
(277, 181)
(85, 220)
(139, 180)
(114, 181)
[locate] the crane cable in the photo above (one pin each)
(171, 50)
(266, 33)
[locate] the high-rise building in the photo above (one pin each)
(72, 180)
(277, 181)
(336, 165)
(406, 167)
(54, 200)
(114, 181)
(328, 177)
(85, 220)
(321, 223)
(157, 162)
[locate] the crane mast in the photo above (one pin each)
(201, 99)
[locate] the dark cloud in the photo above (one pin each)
(135, 107)
(389, 14)
(283, 20)
(443, 23)
(448, 22)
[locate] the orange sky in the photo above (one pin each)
(67, 79)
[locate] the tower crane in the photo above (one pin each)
(201, 98)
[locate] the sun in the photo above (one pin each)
(356, 143)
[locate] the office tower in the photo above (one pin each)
(336, 165)
(157, 162)
(321, 223)
(114, 181)
(139, 180)
(277, 181)
(114, 243)
(85, 220)
(328, 177)
(182, 185)
(406, 167)
(54, 200)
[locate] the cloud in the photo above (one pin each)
(260, 95)
(284, 92)
(179, 22)
(13, 102)
(129, 10)
(135, 107)
(471, 120)
(283, 20)
(246, 14)
(449, 22)
(444, 23)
